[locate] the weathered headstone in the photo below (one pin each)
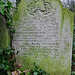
(4, 36)
(44, 35)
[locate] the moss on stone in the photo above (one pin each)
(47, 64)
(53, 65)
(4, 35)
(67, 16)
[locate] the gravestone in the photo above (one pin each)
(4, 36)
(43, 35)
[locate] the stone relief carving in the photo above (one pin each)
(39, 6)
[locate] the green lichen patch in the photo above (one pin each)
(67, 16)
(47, 64)
(4, 35)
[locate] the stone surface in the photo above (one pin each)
(43, 35)
(4, 36)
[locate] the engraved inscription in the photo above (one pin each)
(39, 32)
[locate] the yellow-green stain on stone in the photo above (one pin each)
(4, 34)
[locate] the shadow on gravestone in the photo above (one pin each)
(43, 34)
(4, 35)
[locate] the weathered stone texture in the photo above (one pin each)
(44, 35)
(4, 35)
